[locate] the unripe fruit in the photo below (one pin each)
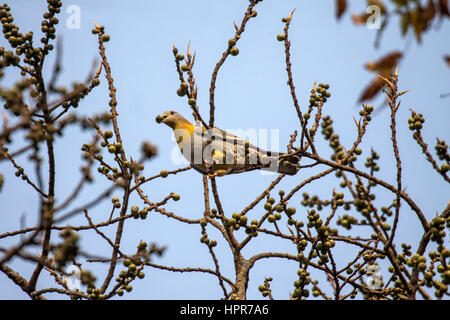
(164, 173)
(234, 51)
(290, 211)
(280, 37)
(232, 42)
(126, 262)
(176, 197)
(108, 134)
(95, 82)
(134, 209)
(422, 266)
(184, 85)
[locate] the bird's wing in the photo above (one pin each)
(226, 151)
(219, 134)
(238, 154)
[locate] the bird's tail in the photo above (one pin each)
(284, 164)
(287, 165)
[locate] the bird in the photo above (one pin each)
(216, 152)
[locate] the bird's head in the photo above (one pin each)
(171, 119)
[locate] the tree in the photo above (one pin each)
(39, 113)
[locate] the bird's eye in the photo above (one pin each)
(171, 112)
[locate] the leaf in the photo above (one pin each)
(404, 23)
(447, 60)
(379, 4)
(400, 3)
(416, 23)
(384, 69)
(341, 6)
(386, 62)
(360, 19)
(443, 8)
(372, 89)
(428, 15)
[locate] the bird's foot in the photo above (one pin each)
(211, 175)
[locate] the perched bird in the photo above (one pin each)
(216, 152)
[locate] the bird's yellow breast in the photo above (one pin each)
(183, 131)
(184, 125)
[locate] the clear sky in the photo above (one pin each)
(251, 93)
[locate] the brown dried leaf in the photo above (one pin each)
(400, 2)
(384, 67)
(341, 6)
(360, 19)
(416, 22)
(428, 15)
(385, 63)
(379, 4)
(447, 60)
(372, 89)
(404, 23)
(443, 8)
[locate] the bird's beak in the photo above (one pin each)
(160, 118)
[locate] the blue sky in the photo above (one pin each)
(251, 93)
